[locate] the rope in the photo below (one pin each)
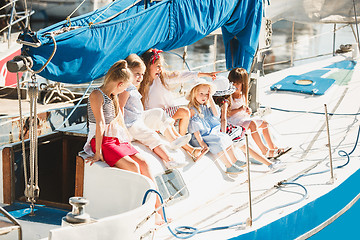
(92, 23)
(47, 62)
(68, 17)
(192, 231)
(341, 153)
(114, 16)
(21, 130)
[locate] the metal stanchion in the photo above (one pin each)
(249, 220)
(331, 181)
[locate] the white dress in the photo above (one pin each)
(241, 118)
(160, 96)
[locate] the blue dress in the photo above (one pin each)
(209, 127)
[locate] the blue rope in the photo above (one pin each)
(192, 231)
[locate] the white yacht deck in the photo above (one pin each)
(305, 132)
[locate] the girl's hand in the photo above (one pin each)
(212, 75)
(248, 110)
(94, 158)
(242, 108)
(203, 144)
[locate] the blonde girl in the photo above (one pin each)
(108, 139)
(155, 90)
(205, 126)
(240, 115)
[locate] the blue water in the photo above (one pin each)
(345, 227)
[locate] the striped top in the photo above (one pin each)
(108, 109)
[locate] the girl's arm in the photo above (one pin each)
(224, 108)
(209, 74)
(96, 102)
(234, 111)
(200, 140)
(123, 97)
(213, 107)
(187, 76)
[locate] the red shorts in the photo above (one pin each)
(170, 111)
(113, 150)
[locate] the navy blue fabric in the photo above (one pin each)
(87, 52)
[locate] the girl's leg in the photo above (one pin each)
(183, 114)
(256, 136)
(265, 129)
(144, 170)
(162, 153)
(171, 134)
(231, 154)
(127, 163)
(225, 159)
(255, 155)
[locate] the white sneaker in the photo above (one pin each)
(276, 167)
(180, 141)
(174, 164)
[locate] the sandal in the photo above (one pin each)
(273, 153)
(276, 153)
(282, 151)
(203, 151)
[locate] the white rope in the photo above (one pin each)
(114, 16)
(91, 23)
(68, 17)
(21, 130)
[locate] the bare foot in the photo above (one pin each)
(159, 219)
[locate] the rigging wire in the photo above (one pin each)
(76, 106)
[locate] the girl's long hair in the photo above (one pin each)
(148, 57)
(118, 72)
(239, 75)
(192, 97)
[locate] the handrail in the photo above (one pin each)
(8, 4)
(18, 20)
(13, 220)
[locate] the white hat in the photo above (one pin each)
(200, 81)
(223, 86)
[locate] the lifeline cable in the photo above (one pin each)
(341, 153)
(313, 112)
(192, 231)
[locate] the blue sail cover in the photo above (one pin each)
(88, 51)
